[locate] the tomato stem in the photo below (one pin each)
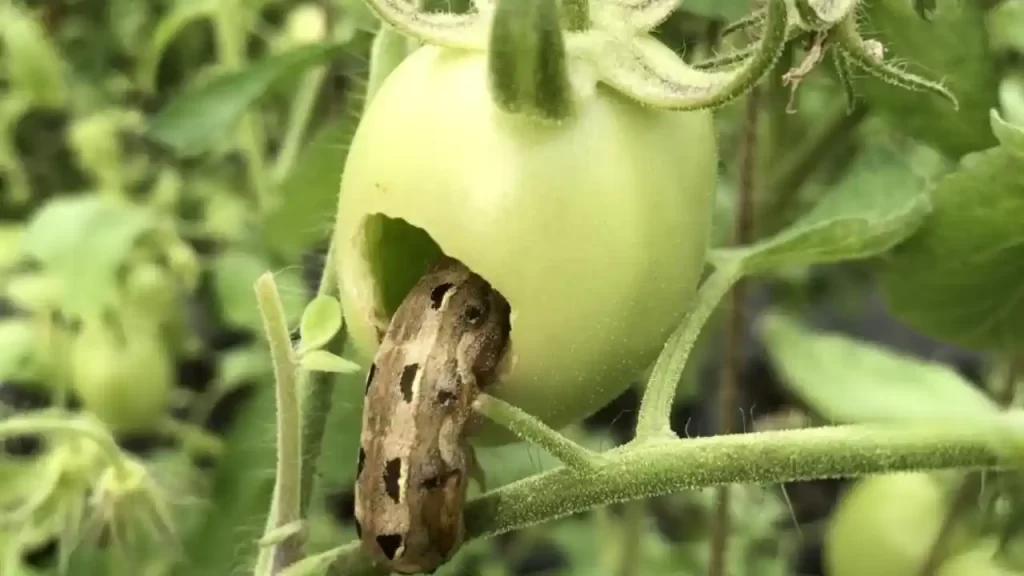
(533, 430)
(321, 393)
(656, 406)
(286, 505)
(774, 457)
(857, 52)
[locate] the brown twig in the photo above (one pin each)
(736, 328)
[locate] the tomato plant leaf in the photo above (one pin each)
(846, 380)
(959, 278)
(32, 61)
(167, 29)
(193, 121)
(241, 494)
(234, 273)
(82, 241)
(863, 217)
(309, 191)
(324, 361)
(950, 47)
(1009, 135)
(321, 320)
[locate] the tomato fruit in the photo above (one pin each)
(594, 228)
(127, 382)
(886, 526)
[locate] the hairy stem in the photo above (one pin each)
(317, 405)
(795, 167)
(533, 430)
(776, 457)
(728, 384)
(656, 406)
(285, 508)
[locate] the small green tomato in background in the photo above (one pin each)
(126, 379)
(593, 224)
(886, 525)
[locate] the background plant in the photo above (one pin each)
(157, 159)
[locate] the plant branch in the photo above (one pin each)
(656, 405)
(317, 406)
(534, 431)
(732, 365)
(285, 508)
(775, 457)
(797, 166)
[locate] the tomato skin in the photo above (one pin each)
(594, 229)
(886, 525)
(127, 384)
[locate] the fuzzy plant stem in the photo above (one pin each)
(317, 405)
(656, 406)
(536, 432)
(285, 507)
(775, 457)
(735, 330)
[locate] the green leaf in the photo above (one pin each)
(950, 47)
(959, 278)
(183, 13)
(324, 361)
(241, 494)
(321, 320)
(195, 120)
(1009, 135)
(235, 272)
(82, 241)
(845, 380)
(309, 193)
(1006, 27)
(865, 216)
(32, 60)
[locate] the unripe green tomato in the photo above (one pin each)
(979, 560)
(151, 285)
(127, 384)
(594, 229)
(886, 526)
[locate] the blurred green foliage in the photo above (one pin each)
(157, 157)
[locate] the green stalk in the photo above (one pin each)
(285, 507)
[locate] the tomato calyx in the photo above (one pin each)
(615, 36)
(528, 72)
